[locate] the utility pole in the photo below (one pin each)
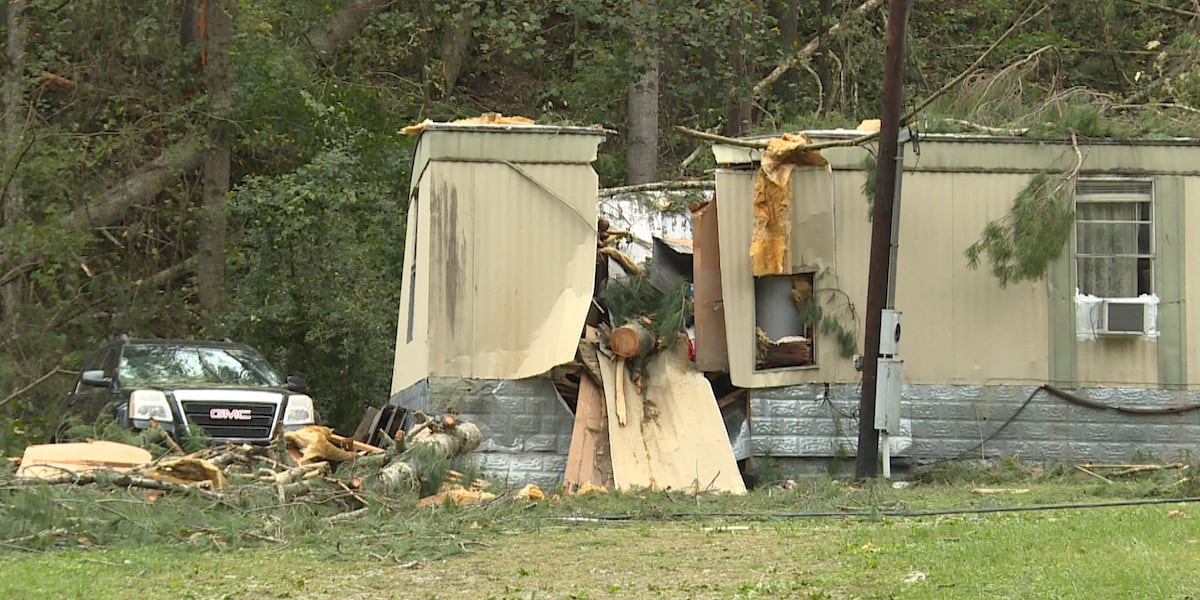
(878, 277)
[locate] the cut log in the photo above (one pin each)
(631, 339)
(786, 352)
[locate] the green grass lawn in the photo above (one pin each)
(83, 543)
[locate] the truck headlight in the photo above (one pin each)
(149, 404)
(299, 411)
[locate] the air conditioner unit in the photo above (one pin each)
(1123, 317)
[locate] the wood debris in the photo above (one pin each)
(990, 491)
(531, 491)
(189, 470)
(53, 461)
(457, 495)
(316, 442)
(312, 460)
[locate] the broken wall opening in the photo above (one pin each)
(783, 335)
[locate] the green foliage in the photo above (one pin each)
(332, 319)
(832, 314)
(1021, 245)
(630, 298)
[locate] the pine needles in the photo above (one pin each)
(1021, 245)
(631, 298)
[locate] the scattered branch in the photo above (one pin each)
(1020, 22)
(1017, 132)
(52, 372)
(1167, 9)
(660, 186)
(1093, 474)
(1171, 105)
(18, 271)
(761, 144)
(813, 45)
(623, 260)
(59, 82)
(127, 480)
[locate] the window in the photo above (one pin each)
(156, 364)
(1114, 237)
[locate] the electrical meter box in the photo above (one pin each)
(888, 384)
(889, 332)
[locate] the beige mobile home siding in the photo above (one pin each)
(1191, 303)
(960, 326)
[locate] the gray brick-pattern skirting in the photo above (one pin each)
(526, 428)
(943, 421)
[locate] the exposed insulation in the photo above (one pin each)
(770, 246)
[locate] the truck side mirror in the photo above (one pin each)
(95, 378)
(296, 384)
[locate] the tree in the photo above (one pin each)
(219, 78)
(12, 200)
(642, 150)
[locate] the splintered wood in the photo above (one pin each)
(589, 461)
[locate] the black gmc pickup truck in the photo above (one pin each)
(227, 389)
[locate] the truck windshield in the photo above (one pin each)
(157, 364)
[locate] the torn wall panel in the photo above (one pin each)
(500, 257)
(812, 251)
(673, 436)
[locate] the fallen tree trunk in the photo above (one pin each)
(139, 188)
(404, 473)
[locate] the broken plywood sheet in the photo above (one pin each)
(53, 461)
(589, 460)
(712, 352)
(674, 437)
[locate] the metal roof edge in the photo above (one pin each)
(831, 134)
(518, 128)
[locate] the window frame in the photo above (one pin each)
(1128, 196)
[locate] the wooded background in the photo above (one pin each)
(228, 168)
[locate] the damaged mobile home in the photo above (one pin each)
(498, 320)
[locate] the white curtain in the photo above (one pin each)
(1107, 276)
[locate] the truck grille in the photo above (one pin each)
(227, 420)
